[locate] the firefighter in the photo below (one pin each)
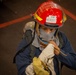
(49, 48)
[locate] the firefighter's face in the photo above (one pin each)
(46, 34)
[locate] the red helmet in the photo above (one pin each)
(50, 14)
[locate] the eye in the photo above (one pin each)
(46, 29)
(52, 29)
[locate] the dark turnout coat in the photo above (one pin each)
(23, 59)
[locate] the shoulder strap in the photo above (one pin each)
(28, 37)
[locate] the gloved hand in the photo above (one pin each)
(38, 67)
(56, 48)
(29, 70)
(47, 53)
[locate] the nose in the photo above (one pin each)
(48, 30)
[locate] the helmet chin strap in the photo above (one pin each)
(56, 32)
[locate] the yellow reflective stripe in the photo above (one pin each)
(36, 16)
(65, 18)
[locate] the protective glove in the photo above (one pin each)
(50, 65)
(47, 53)
(29, 70)
(38, 67)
